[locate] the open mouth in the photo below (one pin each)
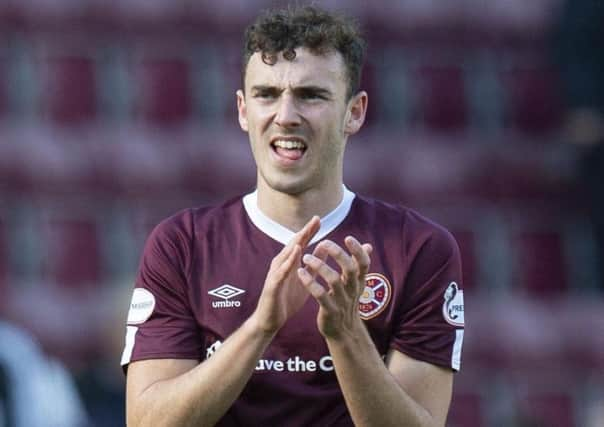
(289, 149)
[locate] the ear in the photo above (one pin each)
(355, 114)
(242, 110)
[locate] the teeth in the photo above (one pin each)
(290, 145)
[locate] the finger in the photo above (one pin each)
(304, 236)
(315, 266)
(286, 266)
(346, 263)
(318, 292)
(283, 254)
(367, 248)
(359, 254)
(321, 253)
(312, 286)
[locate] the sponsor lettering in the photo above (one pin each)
(226, 304)
(292, 364)
(296, 364)
(141, 305)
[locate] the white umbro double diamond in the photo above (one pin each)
(226, 292)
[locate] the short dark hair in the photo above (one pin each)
(283, 30)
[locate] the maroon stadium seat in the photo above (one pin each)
(466, 410)
(73, 253)
(442, 97)
(416, 18)
(55, 14)
(533, 102)
(69, 90)
(164, 96)
(551, 408)
(541, 262)
(226, 16)
(153, 14)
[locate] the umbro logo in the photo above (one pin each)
(226, 292)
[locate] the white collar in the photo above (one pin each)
(283, 234)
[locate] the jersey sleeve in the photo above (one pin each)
(431, 322)
(161, 324)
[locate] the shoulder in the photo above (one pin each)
(175, 240)
(188, 223)
(416, 231)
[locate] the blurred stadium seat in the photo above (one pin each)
(443, 99)
(49, 13)
(541, 261)
(138, 120)
(164, 90)
(534, 103)
(73, 252)
(224, 17)
(147, 14)
(466, 410)
(69, 91)
(551, 408)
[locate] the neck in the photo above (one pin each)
(294, 211)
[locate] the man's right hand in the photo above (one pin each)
(283, 294)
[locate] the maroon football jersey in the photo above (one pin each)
(202, 272)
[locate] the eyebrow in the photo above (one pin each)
(299, 89)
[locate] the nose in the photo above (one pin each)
(287, 114)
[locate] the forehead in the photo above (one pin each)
(306, 69)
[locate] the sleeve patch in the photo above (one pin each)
(141, 306)
(453, 305)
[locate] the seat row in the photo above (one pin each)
(166, 84)
(515, 17)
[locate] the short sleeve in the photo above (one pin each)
(431, 322)
(160, 321)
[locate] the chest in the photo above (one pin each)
(227, 280)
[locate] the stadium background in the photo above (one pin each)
(115, 114)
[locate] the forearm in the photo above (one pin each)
(202, 395)
(372, 395)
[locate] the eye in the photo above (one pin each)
(310, 95)
(265, 94)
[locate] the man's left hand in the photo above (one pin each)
(339, 301)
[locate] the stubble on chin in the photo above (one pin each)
(290, 188)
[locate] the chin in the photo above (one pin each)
(292, 190)
(291, 187)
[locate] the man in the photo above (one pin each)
(35, 389)
(257, 312)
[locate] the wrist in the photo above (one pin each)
(352, 334)
(259, 328)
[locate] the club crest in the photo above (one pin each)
(375, 296)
